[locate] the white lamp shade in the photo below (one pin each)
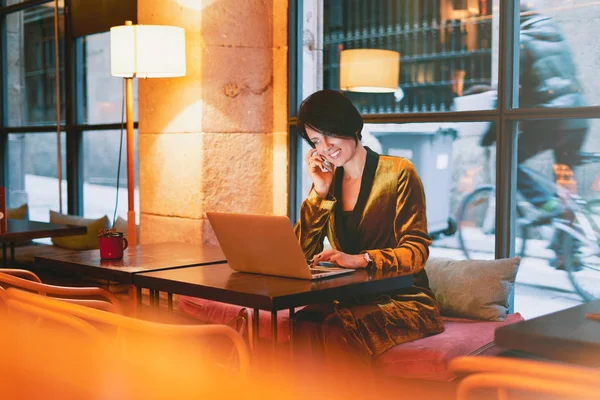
(147, 51)
(369, 70)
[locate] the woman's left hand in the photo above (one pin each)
(351, 261)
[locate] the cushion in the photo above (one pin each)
(473, 289)
(79, 242)
(21, 212)
(428, 358)
(214, 312)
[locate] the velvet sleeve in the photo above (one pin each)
(410, 226)
(311, 227)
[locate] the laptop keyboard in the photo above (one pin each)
(321, 270)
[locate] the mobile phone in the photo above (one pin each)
(327, 167)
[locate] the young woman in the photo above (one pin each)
(371, 207)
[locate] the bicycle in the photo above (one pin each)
(577, 227)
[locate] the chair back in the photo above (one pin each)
(511, 375)
(17, 306)
(125, 331)
(3, 299)
(88, 296)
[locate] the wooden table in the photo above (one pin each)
(270, 293)
(142, 258)
(564, 335)
(25, 230)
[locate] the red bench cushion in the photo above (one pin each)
(425, 358)
(214, 312)
(428, 358)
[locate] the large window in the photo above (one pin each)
(453, 67)
(91, 103)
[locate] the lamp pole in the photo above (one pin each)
(131, 225)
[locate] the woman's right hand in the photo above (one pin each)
(319, 173)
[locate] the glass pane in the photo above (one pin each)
(30, 76)
(32, 161)
(100, 163)
(558, 56)
(101, 92)
(446, 51)
(558, 208)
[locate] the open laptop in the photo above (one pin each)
(265, 244)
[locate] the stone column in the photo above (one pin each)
(216, 139)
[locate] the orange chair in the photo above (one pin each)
(3, 298)
(525, 376)
(87, 296)
(64, 319)
(86, 320)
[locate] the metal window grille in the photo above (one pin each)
(431, 49)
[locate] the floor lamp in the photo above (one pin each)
(143, 51)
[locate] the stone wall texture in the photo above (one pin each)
(216, 139)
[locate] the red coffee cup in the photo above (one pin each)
(112, 246)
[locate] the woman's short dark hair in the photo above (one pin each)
(331, 113)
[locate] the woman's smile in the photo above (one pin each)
(335, 154)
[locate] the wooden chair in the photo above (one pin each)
(534, 378)
(93, 297)
(87, 320)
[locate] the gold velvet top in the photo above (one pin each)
(389, 218)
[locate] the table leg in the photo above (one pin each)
(132, 292)
(292, 317)
(139, 295)
(157, 298)
(170, 301)
(4, 254)
(255, 330)
(12, 253)
(274, 331)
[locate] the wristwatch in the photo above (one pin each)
(368, 259)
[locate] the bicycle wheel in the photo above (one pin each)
(477, 225)
(583, 267)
